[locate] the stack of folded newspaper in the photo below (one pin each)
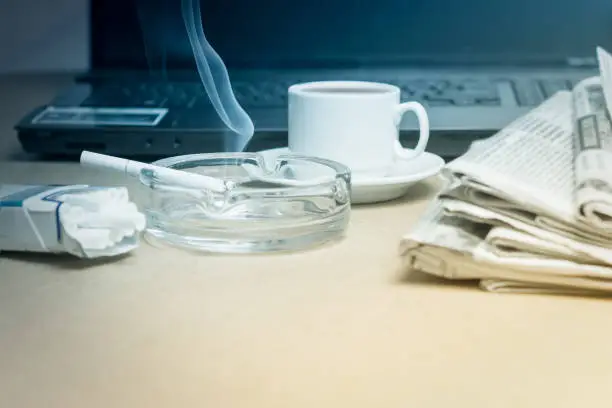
(530, 208)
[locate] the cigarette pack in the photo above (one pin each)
(85, 221)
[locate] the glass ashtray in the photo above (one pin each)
(286, 204)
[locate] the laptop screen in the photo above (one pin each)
(150, 34)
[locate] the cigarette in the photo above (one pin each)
(164, 174)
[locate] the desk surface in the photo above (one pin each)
(332, 327)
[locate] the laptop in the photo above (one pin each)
(476, 64)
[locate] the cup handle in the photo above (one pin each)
(423, 119)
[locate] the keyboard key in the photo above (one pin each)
(433, 101)
(417, 85)
(472, 86)
(527, 93)
(405, 95)
(488, 101)
(550, 87)
(154, 102)
(464, 101)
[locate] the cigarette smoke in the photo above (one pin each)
(214, 76)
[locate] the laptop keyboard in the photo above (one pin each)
(442, 92)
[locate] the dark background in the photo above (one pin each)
(272, 33)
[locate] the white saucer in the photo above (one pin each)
(396, 183)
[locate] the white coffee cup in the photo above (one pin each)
(352, 122)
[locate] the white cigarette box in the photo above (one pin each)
(82, 220)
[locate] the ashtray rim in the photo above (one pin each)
(172, 161)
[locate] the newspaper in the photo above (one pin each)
(512, 235)
(551, 167)
(530, 208)
(459, 249)
(526, 171)
(593, 146)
